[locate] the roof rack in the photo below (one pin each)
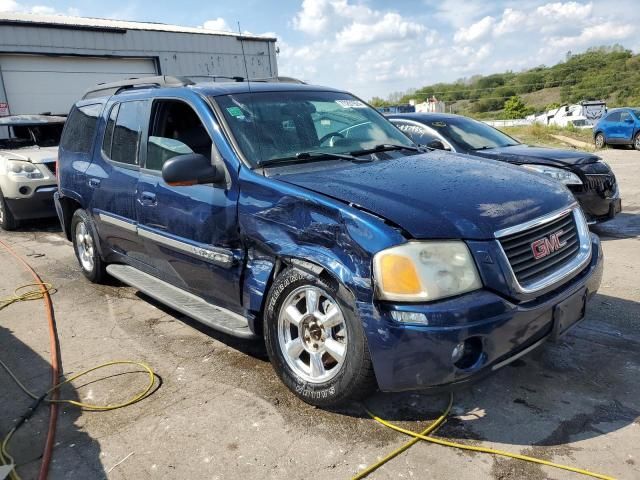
(279, 80)
(216, 77)
(112, 88)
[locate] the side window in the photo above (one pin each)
(80, 128)
(624, 116)
(175, 129)
(127, 132)
(107, 141)
(614, 117)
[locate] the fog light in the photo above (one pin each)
(24, 190)
(467, 354)
(409, 317)
(457, 352)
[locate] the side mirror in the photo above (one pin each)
(436, 145)
(191, 169)
(629, 120)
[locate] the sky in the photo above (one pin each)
(375, 48)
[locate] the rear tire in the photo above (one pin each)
(315, 340)
(600, 141)
(7, 221)
(85, 245)
(636, 141)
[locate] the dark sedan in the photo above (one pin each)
(589, 178)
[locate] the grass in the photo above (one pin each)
(537, 134)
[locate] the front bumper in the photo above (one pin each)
(409, 357)
(597, 209)
(38, 205)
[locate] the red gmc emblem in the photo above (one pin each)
(547, 245)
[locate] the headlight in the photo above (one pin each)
(18, 168)
(425, 271)
(559, 174)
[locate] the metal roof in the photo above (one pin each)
(103, 24)
(30, 120)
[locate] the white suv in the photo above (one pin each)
(28, 159)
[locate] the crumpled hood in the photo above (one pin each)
(439, 194)
(525, 153)
(33, 155)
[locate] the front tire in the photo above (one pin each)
(315, 340)
(85, 247)
(600, 141)
(636, 141)
(7, 221)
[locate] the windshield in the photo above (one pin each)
(637, 113)
(471, 134)
(21, 136)
(278, 125)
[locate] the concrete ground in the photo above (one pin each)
(221, 412)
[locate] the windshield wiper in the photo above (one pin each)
(303, 157)
(385, 147)
(485, 147)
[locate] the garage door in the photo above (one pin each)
(37, 83)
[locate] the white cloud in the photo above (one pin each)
(390, 27)
(607, 32)
(476, 31)
(13, 6)
(9, 6)
(218, 24)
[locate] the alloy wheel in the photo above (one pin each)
(85, 247)
(312, 334)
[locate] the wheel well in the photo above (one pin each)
(281, 264)
(69, 206)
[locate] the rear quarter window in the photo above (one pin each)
(80, 128)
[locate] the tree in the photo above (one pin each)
(514, 107)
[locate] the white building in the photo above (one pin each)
(430, 105)
(48, 61)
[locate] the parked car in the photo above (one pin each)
(28, 154)
(620, 126)
(591, 180)
(358, 258)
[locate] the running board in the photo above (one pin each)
(183, 301)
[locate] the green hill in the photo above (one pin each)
(610, 73)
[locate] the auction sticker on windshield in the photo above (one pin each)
(351, 104)
(235, 111)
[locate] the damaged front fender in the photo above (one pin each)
(283, 224)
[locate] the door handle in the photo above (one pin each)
(148, 198)
(94, 182)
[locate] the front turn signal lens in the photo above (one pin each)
(399, 275)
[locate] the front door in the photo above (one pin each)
(190, 232)
(627, 125)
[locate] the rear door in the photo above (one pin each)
(113, 177)
(611, 127)
(190, 232)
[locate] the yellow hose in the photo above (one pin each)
(7, 459)
(35, 294)
(446, 443)
(407, 445)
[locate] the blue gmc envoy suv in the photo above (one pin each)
(300, 215)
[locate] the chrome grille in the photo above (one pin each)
(518, 247)
(601, 182)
